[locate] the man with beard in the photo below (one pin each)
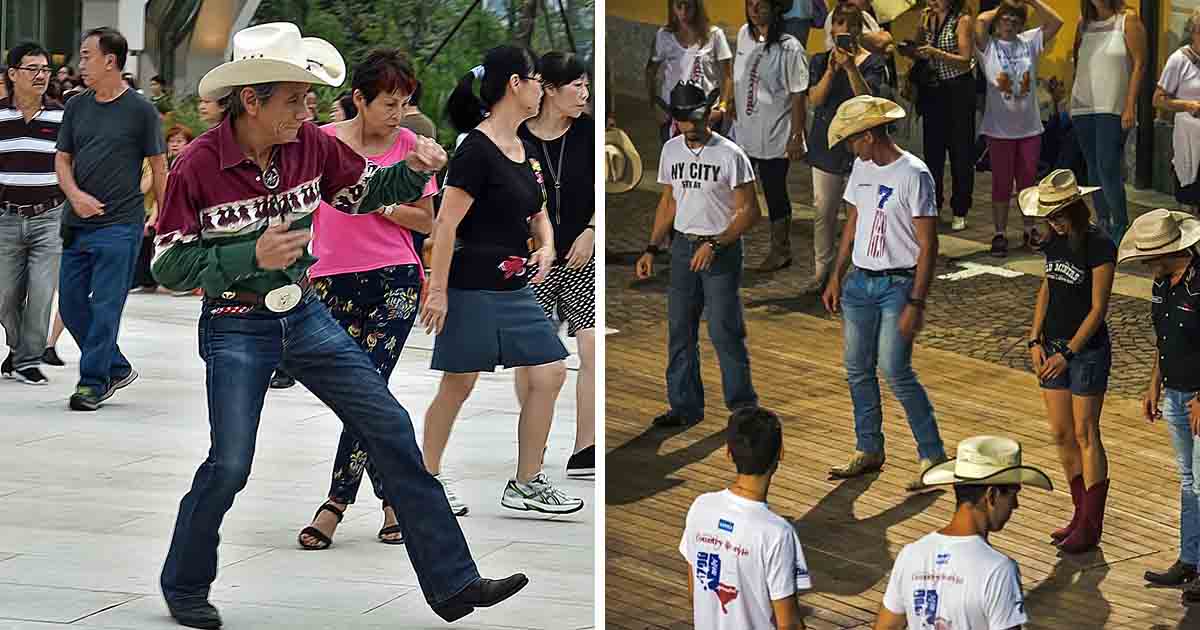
(707, 202)
(30, 210)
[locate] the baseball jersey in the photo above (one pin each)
(888, 198)
(743, 556)
(702, 182)
(955, 583)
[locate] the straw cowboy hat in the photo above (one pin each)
(271, 53)
(622, 163)
(986, 460)
(1158, 233)
(1056, 190)
(860, 114)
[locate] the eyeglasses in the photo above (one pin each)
(36, 70)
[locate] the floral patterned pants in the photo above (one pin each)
(377, 308)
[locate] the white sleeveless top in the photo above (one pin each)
(1102, 79)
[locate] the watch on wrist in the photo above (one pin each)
(1034, 342)
(653, 250)
(1067, 354)
(917, 302)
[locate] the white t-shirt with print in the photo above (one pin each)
(888, 198)
(743, 556)
(764, 80)
(955, 582)
(1011, 71)
(702, 182)
(697, 64)
(1181, 78)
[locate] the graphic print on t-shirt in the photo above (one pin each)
(693, 174)
(876, 248)
(1064, 271)
(708, 571)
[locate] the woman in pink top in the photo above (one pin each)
(368, 272)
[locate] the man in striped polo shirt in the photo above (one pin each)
(30, 208)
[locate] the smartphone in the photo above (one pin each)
(906, 46)
(845, 41)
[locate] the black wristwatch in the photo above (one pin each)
(653, 250)
(1067, 354)
(1034, 342)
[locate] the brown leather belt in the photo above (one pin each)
(29, 211)
(279, 300)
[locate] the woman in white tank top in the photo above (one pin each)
(1110, 64)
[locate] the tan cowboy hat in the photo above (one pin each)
(622, 163)
(986, 460)
(1158, 233)
(1056, 190)
(271, 53)
(860, 114)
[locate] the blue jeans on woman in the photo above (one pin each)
(240, 352)
(1187, 458)
(717, 292)
(1103, 144)
(871, 326)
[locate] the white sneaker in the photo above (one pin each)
(959, 224)
(456, 505)
(539, 496)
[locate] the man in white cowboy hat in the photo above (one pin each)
(891, 237)
(235, 221)
(707, 203)
(745, 563)
(106, 134)
(1166, 242)
(622, 162)
(953, 578)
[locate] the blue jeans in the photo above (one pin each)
(93, 282)
(717, 292)
(1102, 142)
(240, 353)
(871, 308)
(1187, 457)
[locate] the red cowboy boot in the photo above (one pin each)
(1087, 534)
(1077, 491)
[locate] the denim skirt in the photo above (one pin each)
(486, 329)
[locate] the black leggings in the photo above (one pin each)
(949, 123)
(773, 176)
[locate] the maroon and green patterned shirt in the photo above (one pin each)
(217, 205)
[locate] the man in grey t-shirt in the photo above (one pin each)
(106, 134)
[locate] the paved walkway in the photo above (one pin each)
(89, 500)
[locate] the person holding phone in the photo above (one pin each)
(835, 77)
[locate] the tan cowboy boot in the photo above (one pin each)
(780, 255)
(860, 464)
(925, 464)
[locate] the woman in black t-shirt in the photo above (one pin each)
(1070, 349)
(563, 139)
(478, 301)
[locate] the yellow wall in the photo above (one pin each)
(730, 15)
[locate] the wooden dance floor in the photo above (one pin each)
(852, 530)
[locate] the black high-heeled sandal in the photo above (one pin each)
(390, 529)
(323, 541)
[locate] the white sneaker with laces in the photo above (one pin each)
(539, 496)
(959, 224)
(457, 507)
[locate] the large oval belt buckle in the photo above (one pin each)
(284, 298)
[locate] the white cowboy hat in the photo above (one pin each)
(271, 53)
(860, 114)
(1158, 233)
(622, 162)
(986, 460)
(1056, 190)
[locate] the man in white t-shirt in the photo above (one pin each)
(953, 578)
(745, 562)
(707, 202)
(891, 232)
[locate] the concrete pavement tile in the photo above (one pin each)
(521, 610)
(41, 603)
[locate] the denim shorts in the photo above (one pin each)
(1086, 373)
(486, 329)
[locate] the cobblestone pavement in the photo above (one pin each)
(985, 316)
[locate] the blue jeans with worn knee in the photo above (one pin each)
(1102, 142)
(715, 292)
(240, 352)
(1187, 458)
(871, 308)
